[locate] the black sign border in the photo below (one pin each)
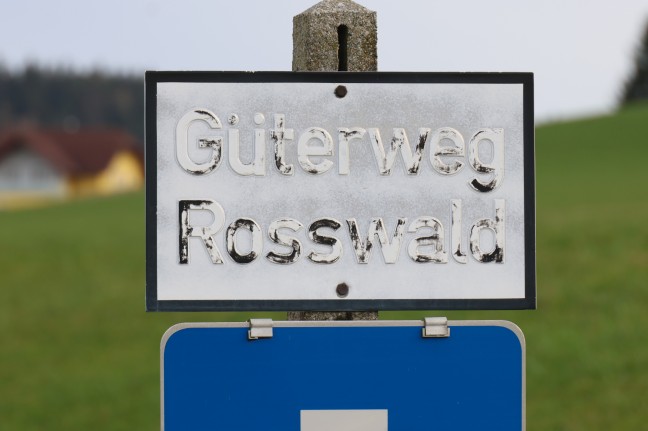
(152, 78)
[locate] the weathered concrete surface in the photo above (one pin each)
(316, 42)
(332, 315)
(315, 49)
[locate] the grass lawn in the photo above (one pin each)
(78, 351)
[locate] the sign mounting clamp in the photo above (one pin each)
(260, 328)
(436, 327)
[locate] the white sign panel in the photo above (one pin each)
(339, 191)
(343, 420)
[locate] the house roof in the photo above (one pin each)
(84, 152)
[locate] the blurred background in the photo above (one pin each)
(77, 350)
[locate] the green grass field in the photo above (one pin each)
(78, 352)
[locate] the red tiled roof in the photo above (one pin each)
(85, 152)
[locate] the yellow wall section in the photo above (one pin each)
(123, 173)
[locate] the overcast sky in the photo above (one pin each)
(580, 51)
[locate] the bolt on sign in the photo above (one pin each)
(340, 191)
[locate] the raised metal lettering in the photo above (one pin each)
(436, 240)
(316, 237)
(344, 137)
(182, 142)
(285, 240)
(497, 226)
(495, 167)
(390, 250)
(257, 167)
(457, 253)
(256, 240)
(205, 233)
(398, 142)
(280, 135)
(457, 149)
(305, 151)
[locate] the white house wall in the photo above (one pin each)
(25, 171)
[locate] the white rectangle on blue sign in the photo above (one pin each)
(343, 375)
(343, 420)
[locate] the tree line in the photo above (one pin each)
(636, 88)
(71, 99)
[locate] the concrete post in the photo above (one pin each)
(335, 35)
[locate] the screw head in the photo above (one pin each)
(340, 91)
(342, 290)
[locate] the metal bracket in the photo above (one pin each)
(435, 327)
(260, 328)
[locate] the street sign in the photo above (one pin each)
(362, 376)
(340, 191)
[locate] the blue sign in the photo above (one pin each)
(372, 376)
